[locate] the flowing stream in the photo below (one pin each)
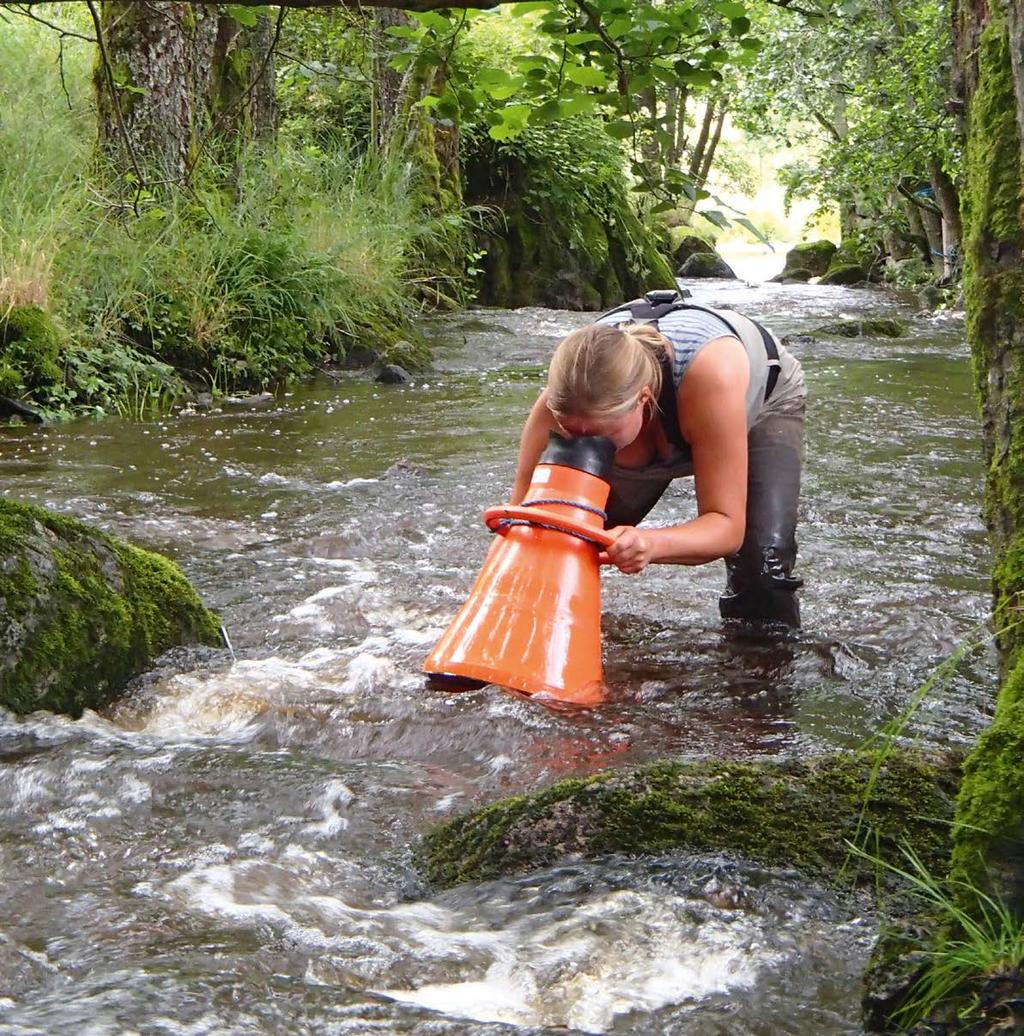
(228, 849)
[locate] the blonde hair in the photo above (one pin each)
(600, 370)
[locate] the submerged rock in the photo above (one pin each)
(869, 327)
(796, 813)
(392, 374)
(845, 274)
(81, 612)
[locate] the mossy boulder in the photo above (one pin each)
(845, 274)
(30, 347)
(562, 231)
(687, 243)
(793, 277)
(81, 613)
(533, 258)
(795, 813)
(869, 327)
(706, 264)
(811, 259)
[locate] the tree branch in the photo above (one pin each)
(108, 71)
(25, 12)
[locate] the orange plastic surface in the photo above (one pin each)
(532, 621)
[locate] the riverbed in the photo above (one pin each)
(228, 850)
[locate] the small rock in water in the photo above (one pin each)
(724, 894)
(260, 399)
(392, 374)
(404, 466)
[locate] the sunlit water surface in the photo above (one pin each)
(228, 849)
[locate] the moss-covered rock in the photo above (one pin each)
(845, 273)
(30, 347)
(793, 277)
(796, 813)
(687, 243)
(706, 264)
(815, 257)
(81, 613)
(552, 242)
(869, 327)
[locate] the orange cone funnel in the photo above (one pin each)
(532, 621)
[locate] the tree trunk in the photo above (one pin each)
(145, 96)
(240, 89)
(712, 146)
(949, 202)
(697, 156)
(387, 82)
(172, 75)
(989, 835)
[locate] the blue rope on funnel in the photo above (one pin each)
(506, 522)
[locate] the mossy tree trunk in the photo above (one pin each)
(989, 837)
(387, 81)
(172, 78)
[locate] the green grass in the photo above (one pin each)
(973, 943)
(311, 251)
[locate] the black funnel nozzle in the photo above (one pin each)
(590, 453)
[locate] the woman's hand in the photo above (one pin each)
(632, 550)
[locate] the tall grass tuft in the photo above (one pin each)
(982, 942)
(45, 146)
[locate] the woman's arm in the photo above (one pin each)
(712, 418)
(532, 444)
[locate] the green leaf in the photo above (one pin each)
(731, 9)
(509, 89)
(752, 44)
(579, 105)
(404, 32)
(432, 20)
(244, 14)
(619, 27)
(529, 6)
(715, 217)
(581, 37)
(740, 26)
(499, 84)
(701, 77)
(549, 111)
(619, 130)
(744, 222)
(400, 62)
(586, 75)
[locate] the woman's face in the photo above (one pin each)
(621, 430)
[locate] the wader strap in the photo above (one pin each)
(774, 366)
(667, 406)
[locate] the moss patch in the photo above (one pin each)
(845, 273)
(30, 347)
(875, 327)
(81, 613)
(797, 814)
(814, 256)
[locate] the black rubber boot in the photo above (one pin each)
(760, 586)
(768, 598)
